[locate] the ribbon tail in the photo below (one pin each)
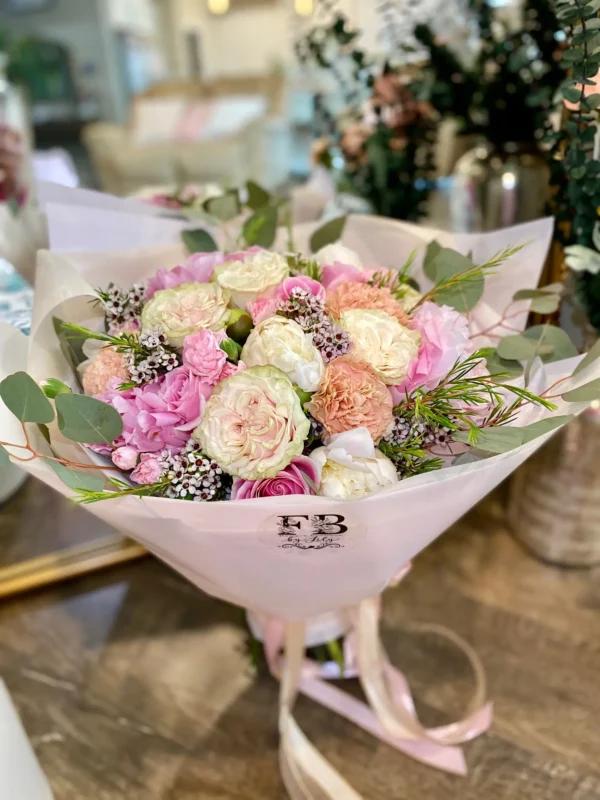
(389, 695)
(307, 775)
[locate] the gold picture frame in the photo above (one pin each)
(45, 539)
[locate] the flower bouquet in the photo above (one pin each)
(288, 430)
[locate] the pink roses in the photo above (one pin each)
(198, 268)
(301, 476)
(444, 340)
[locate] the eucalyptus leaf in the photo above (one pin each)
(75, 479)
(550, 335)
(261, 228)
(544, 426)
(464, 295)
(516, 348)
(503, 366)
(45, 431)
(593, 100)
(225, 207)
(199, 241)
(71, 347)
(590, 357)
(257, 196)
(433, 249)
(329, 233)
(584, 394)
(87, 420)
(4, 457)
(494, 440)
(52, 387)
(24, 398)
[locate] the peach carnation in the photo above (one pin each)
(360, 295)
(105, 365)
(352, 396)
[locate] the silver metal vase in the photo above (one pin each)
(495, 186)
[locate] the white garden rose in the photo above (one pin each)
(281, 343)
(253, 425)
(337, 252)
(185, 309)
(351, 467)
(253, 274)
(380, 340)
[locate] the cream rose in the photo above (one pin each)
(185, 309)
(282, 343)
(380, 340)
(337, 252)
(253, 425)
(256, 274)
(351, 467)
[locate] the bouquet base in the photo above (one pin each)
(390, 714)
(319, 630)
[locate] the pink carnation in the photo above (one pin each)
(262, 308)
(148, 471)
(284, 290)
(301, 476)
(198, 268)
(106, 365)
(203, 356)
(185, 395)
(444, 340)
(336, 273)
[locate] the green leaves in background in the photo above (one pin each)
(24, 398)
(199, 241)
(261, 228)
(4, 457)
(77, 480)
(506, 437)
(225, 207)
(85, 419)
(257, 196)
(543, 301)
(53, 387)
(328, 233)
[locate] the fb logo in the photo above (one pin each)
(311, 531)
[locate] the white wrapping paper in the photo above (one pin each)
(235, 550)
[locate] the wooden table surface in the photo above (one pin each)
(132, 684)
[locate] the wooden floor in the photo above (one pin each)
(132, 684)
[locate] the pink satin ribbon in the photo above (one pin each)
(392, 717)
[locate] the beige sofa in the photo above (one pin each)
(227, 131)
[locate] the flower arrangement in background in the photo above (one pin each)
(379, 137)
(506, 92)
(575, 162)
(255, 373)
